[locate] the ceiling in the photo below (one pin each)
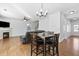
(19, 10)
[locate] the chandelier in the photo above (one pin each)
(41, 12)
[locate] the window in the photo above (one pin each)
(68, 28)
(76, 28)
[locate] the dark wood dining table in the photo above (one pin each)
(36, 31)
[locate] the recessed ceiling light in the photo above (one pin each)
(72, 12)
(24, 20)
(28, 24)
(5, 9)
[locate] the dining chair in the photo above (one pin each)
(56, 45)
(37, 45)
(52, 45)
(49, 43)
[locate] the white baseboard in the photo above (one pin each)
(60, 40)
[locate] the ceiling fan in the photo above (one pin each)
(26, 18)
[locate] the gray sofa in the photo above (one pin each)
(25, 38)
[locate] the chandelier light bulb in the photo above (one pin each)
(28, 24)
(37, 12)
(24, 20)
(45, 13)
(41, 10)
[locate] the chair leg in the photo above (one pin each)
(49, 49)
(36, 50)
(31, 49)
(53, 51)
(57, 51)
(43, 50)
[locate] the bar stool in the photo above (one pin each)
(49, 44)
(56, 45)
(37, 45)
(52, 43)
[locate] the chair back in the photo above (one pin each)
(33, 36)
(49, 39)
(57, 38)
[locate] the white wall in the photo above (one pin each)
(50, 23)
(44, 24)
(65, 28)
(54, 22)
(19, 27)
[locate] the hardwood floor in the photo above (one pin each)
(69, 47)
(13, 47)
